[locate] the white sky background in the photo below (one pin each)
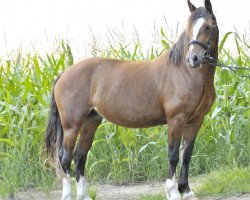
(24, 23)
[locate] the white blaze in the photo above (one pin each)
(198, 24)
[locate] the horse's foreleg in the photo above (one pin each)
(176, 126)
(80, 155)
(189, 135)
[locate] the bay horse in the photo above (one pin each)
(176, 89)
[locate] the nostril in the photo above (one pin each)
(195, 58)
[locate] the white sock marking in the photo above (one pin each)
(172, 189)
(66, 194)
(188, 195)
(82, 192)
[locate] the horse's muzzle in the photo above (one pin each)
(194, 60)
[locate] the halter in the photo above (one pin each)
(212, 61)
(207, 46)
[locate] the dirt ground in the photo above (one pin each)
(112, 192)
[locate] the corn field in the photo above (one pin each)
(118, 155)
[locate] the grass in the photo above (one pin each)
(118, 155)
(24, 98)
(92, 193)
(221, 183)
(153, 197)
(225, 183)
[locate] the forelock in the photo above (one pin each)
(200, 12)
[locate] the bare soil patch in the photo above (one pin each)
(114, 192)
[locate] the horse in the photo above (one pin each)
(176, 88)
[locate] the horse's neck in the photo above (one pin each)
(178, 51)
(165, 70)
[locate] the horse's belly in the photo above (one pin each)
(128, 97)
(132, 118)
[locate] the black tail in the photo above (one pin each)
(54, 131)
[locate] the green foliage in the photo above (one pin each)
(92, 193)
(153, 197)
(225, 182)
(24, 97)
(118, 154)
(220, 183)
(128, 155)
(224, 138)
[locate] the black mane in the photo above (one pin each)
(177, 51)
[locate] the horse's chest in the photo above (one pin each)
(204, 105)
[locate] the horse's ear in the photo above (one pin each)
(208, 6)
(191, 6)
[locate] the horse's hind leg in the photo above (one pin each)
(80, 155)
(65, 158)
(72, 123)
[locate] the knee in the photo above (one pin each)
(186, 161)
(65, 162)
(173, 158)
(79, 157)
(60, 154)
(187, 154)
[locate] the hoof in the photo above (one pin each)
(172, 191)
(174, 198)
(67, 197)
(83, 198)
(189, 196)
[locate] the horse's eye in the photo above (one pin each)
(207, 28)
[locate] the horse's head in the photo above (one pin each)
(203, 34)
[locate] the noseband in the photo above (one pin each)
(207, 46)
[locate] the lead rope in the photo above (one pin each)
(212, 61)
(207, 55)
(232, 68)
